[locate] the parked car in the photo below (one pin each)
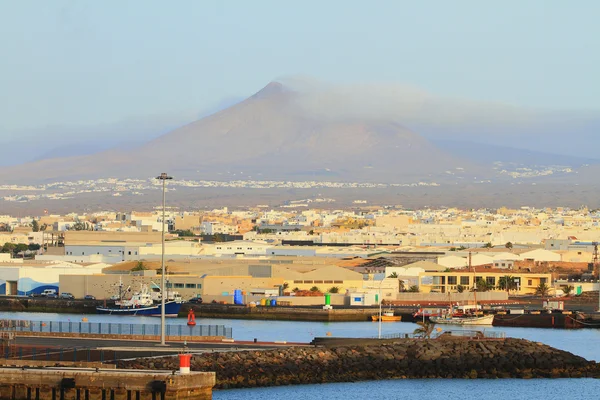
(89, 297)
(67, 296)
(195, 300)
(48, 292)
(51, 296)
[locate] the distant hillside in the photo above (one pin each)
(487, 154)
(268, 136)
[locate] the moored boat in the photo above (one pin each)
(387, 316)
(142, 303)
(464, 320)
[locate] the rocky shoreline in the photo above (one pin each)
(400, 359)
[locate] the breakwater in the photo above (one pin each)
(393, 359)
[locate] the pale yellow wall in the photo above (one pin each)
(325, 285)
(529, 282)
(215, 285)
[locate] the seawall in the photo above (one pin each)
(25, 304)
(397, 359)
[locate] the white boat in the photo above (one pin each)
(464, 320)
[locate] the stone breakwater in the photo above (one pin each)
(408, 358)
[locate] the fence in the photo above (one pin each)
(104, 328)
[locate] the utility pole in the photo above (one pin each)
(163, 294)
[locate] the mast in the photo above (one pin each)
(474, 283)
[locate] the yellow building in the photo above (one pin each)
(448, 282)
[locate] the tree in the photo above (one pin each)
(461, 248)
(393, 275)
(413, 289)
(425, 330)
(314, 289)
(334, 289)
(218, 237)
(21, 247)
(8, 247)
(285, 285)
(34, 247)
(35, 226)
(508, 245)
(542, 290)
(483, 285)
(311, 232)
(507, 283)
(567, 290)
(139, 267)
(460, 288)
(488, 245)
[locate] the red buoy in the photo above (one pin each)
(191, 318)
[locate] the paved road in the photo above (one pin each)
(129, 344)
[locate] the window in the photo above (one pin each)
(83, 253)
(239, 248)
(179, 285)
(543, 281)
(190, 286)
(136, 253)
(130, 253)
(491, 280)
(578, 253)
(504, 264)
(464, 280)
(308, 281)
(297, 281)
(338, 281)
(327, 281)
(318, 281)
(218, 248)
(452, 280)
(529, 282)
(110, 251)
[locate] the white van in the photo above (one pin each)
(48, 291)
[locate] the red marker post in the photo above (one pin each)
(184, 363)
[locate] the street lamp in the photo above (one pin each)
(163, 177)
(380, 300)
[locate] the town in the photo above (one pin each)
(297, 256)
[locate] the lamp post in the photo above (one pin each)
(163, 177)
(380, 299)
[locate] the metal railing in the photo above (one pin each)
(109, 328)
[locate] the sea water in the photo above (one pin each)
(583, 342)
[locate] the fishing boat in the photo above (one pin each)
(142, 303)
(464, 320)
(387, 316)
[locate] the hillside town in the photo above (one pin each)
(363, 253)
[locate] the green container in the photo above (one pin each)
(327, 299)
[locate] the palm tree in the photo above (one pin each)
(507, 283)
(508, 245)
(488, 245)
(460, 288)
(567, 290)
(393, 275)
(542, 290)
(483, 285)
(425, 330)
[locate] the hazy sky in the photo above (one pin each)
(79, 63)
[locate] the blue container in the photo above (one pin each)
(273, 302)
(237, 297)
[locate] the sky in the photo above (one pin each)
(80, 63)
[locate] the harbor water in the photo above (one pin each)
(583, 342)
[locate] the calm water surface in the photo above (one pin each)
(583, 342)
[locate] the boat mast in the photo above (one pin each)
(474, 282)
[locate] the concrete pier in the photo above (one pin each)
(100, 384)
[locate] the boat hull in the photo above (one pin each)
(171, 310)
(483, 320)
(387, 318)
